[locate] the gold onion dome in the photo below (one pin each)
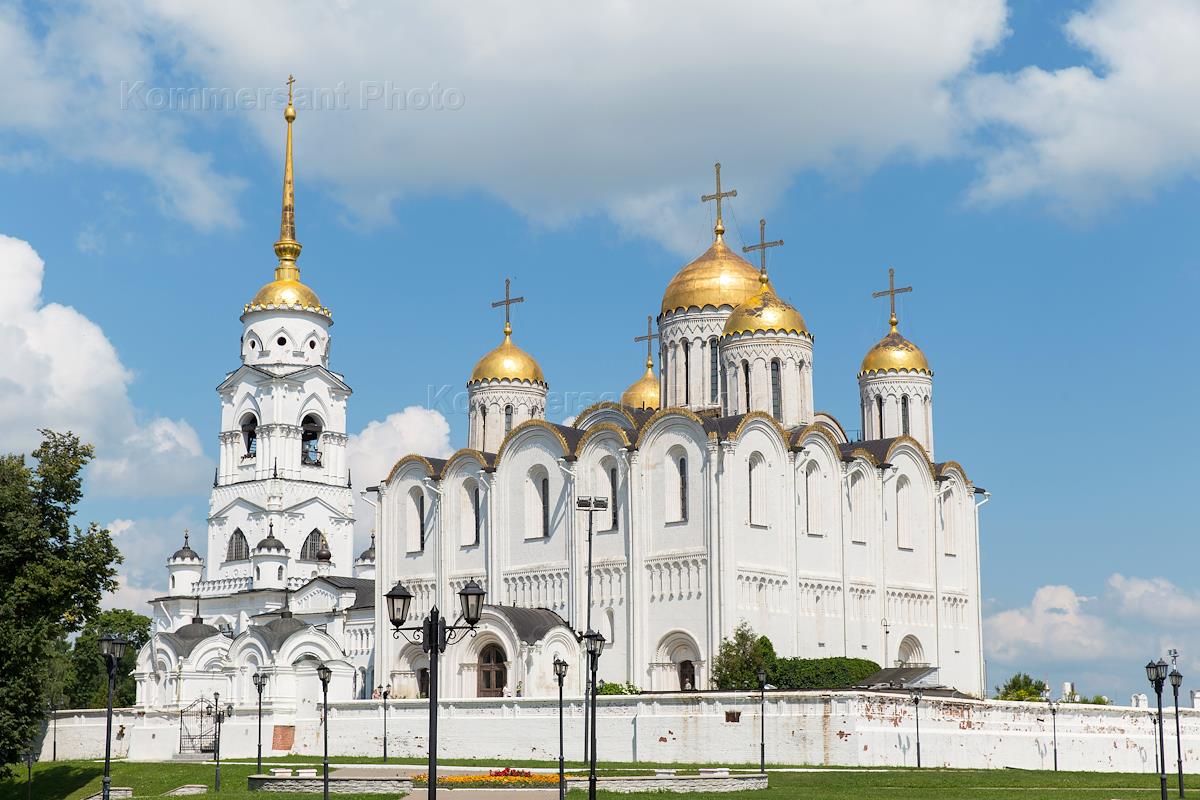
(286, 291)
(508, 363)
(643, 393)
(894, 353)
(765, 312)
(719, 277)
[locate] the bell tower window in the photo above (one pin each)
(239, 548)
(310, 437)
(249, 436)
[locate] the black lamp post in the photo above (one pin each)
(1053, 704)
(325, 673)
(594, 642)
(433, 634)
(589, 505)
(112, 648)
(560, 673)
(762, 720)
(1156, 673)
(916, 701)
(1176, 678)
(260, 683)
(383, 693)
(218, 713)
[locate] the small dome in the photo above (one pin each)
(270, 544)
(369, 553)
(719, 277)
(894, 353)
(764, 312)
(323, 554)
(508, 362)
(186, 552)
(643, 393)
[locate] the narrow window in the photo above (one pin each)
(545, 496)
(683, 490)
(238, 549)
(421, 518)
(812, 499)
(714, 371)
(879, 409)
(279, 573)
(751, 492)
(612, 496)
(250, 436)
(776, 390)
(687, 373)
(756, 477)
(312, 544)
(724, 391)
(904, 415)
(482, 427)
(475, 510)
(746, 379)
(508, 415)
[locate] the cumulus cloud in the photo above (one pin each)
(60, 371)
(1058, 623)
(146, 543)
(1085, 136)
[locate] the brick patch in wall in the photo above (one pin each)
(283, 737)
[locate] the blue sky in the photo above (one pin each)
(1029, 168)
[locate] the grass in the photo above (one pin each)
(73, 780)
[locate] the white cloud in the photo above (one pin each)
(60, 371)
(1155, 600)
(1058, 624)
(1085, 136)
(146, 543)
(380, 444)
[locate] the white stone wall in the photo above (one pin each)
(845, 729)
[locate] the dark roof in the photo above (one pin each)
(723, 426)
(270, 543)
(278, 631)
(186, 638)
(364, 588)
(186, 551)
(899, 678)
(573, 436)
(369, 553)
(878, 448)
(531, 624)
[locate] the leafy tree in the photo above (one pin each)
(87, 685)
(53, 574)
(739, 659)
(1022, 687)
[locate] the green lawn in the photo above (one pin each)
(72, 780)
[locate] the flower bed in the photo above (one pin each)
(495, 778)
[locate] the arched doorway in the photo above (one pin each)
(687, 675)
(911, 654)
(493, 673)
(423, 682)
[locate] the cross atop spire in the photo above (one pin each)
(508, 302)
(287, 248)
(719, 228)
(649, 340)
(891, 293)
(761, 247)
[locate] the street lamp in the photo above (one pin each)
(1176, 678)
(762, 720)
(325, 673)
(218, 719)
(383, 693)
(433, 635)
(112, 648)
(560, 673)
(1156, 673)
(590, 506)
(594, 642)
(1053, 705)
(916, 701)
(260, 683)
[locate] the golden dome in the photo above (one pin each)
(894, 353)
(286, 293)
(764, 312)
(507, 363)
(643, 393)
(719, 277)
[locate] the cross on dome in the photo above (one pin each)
(719, 228)
(508, 302)
(649, 340)
(761, 247)
(891, 293)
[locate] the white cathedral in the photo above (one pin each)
(731, 499)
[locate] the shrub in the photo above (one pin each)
(740, 658)
(618, 688)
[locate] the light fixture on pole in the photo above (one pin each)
(1053, 705)
(384, 691)
(325, 673)
(560, 673)
(218, 714)
(762, 720)
(433, 635)
(260, 683)
(590, 506)
(1176, 678)
(112, 648)
(916, 701)
(594, 643)
(1156, 673)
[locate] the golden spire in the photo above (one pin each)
(719, 228)
(287, 248)
(891, 293)
(761, 247)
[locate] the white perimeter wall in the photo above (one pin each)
(851, 729)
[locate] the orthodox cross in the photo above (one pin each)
(648, 339)
(290, 81)
(507, 302)
(891, 292)
(719, 228)
(762, 246)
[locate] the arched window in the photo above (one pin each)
(469, 516)
(714, 371)
(493, 673)
(249, 436)
(858, 508)
(508, 419)
(279, 573)
(612, 498)
(258, 573)
(904, 513)
(238, 549)
(756, 470)
(687, 372)
(544, 495)
(475, 513)
(879, 409)
(776, 390)
(537, 503)
(687, 675)
(904, 415)
(172, 581)
(812, 500)
(746, 380)
(310, 437)
(483, 426)
(312, 545)
(683, 489)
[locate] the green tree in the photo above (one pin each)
(1022, 687)
(820, 673)
(53, 574)
(87, 685)
(739, 659)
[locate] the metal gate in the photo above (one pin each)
(197, 731)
